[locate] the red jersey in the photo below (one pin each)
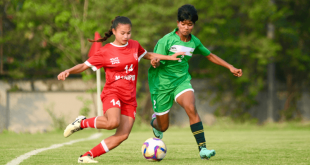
(121, 69)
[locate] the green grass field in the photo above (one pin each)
(272, 144)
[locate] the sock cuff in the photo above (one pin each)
(92, 155)
(105, 147)
(82, 124)
(197, 127)
(95, 122)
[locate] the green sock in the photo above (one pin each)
(199, 135)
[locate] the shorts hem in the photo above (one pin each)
(161, 113)
(129, 115)
(179, 94)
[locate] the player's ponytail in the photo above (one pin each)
(115, 22)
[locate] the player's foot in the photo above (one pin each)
(157, 133)
(86, 159)
(206, 154)
(74, 127)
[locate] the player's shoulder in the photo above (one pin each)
(195, 39)
(106, 47)
(135, 42)
(169, 36)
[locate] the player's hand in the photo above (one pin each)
(235, 71)
(174, 56)
(63, 75)
(155, 62)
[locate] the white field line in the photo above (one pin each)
(34, 152)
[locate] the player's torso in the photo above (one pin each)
(180, 46)
(172, 73)
(122, 70)
(176, 45)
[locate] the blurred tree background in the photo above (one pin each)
(40, 38)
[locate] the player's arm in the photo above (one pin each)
(76, 69)
(217, 60)
(151, 55)
(155, 58)
(201, 49)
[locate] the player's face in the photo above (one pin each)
(185, 27)
(122, 33)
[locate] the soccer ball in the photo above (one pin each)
(153, 149)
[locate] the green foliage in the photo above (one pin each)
(236, 31)
(58, 122)
(85, 109)
(14, 88)
(50, 36)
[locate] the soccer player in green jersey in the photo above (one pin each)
(170, 81)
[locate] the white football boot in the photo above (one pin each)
(74, 127)
(86, 159)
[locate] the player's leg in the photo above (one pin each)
(126, 119)
(122, 133)
(160, 119)
(160, 124)
(186, 99)
(110, 120)
(99, 122)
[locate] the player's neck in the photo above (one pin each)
(118, 43)
(184, 38)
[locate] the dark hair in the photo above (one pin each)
(187, 12)
(117, 20)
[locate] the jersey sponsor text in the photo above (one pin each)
(128, 77)
(114, 60)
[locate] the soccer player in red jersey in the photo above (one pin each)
(120, 62)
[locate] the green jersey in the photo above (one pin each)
(170, 74)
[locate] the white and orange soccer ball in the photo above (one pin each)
(154, 149)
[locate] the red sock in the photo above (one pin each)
(89, 123)
(98, 150)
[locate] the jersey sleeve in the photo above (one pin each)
(141, 52)
(200, 49)
(96, 61)
(161, 48)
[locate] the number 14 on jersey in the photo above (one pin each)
(129, 69)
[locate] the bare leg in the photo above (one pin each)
(122, 132)
(161, 123)
(187, 101)
(110, 120)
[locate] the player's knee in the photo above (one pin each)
(112, 124)
(191, 109)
